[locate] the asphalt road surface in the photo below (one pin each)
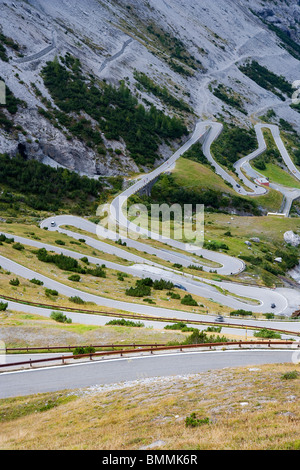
(113, 371)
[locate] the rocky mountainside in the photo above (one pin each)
(188, 59)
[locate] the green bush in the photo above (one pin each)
(188, 300)
(3, 237)
(14, 282)
(175, 296)
(268, 334)
(122, 322)
(18, 246)
(3, 306)
(290, 375)
(269, 316)
(162, 285)
(37, 282)
(138, 291)
(241, 313)
(74, 278)
(176, 326)
(51, 292)
(192, 421)
(60, 317)
(214, 329)
(77, 300)
(84, 350)
(60, 242)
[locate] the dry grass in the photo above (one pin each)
(252, 408)
(22, 330)
(109, 287)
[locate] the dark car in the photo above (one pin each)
(273, 306)
(179, 286)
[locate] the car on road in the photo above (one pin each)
(53, 224)
(179, 286)
(273, 306)
(219, 319)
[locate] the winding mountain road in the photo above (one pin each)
(233, 295)
(110, 371)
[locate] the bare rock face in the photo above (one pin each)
(115, 38)
(292, 238)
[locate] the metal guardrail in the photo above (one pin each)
(144, 317)
(69, 348)
(239, 344)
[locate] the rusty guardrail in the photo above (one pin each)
(69, 348)
(239, 344)
(145, 317)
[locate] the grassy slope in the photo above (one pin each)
(195, 176)
(22, 329)
(278, 175)
(273, 171)
(109, 287)
(250, 408)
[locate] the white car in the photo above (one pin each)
(53, 224)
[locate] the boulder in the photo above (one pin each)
(292, 238)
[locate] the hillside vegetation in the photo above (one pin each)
(236, 409)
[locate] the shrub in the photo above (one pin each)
(84, 350)
(176, 326)
(269, 316)
(51, 292)
(196, 268)
(3, 306)
(139, 291)
(74, 278)
(59, 242)
(97, 272)
(188, 300)
(175, 296)
(214, 329)
(37, 282)
(14, 282)
(197, 337)
(290, 375)
(265, 333)
(192, 421)
(60, 317)
(63, 262)
(162, 284)
(77, 300)
(3, 238)
(18, 246)
(122, 322)
(149, 301)
(241, 312)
